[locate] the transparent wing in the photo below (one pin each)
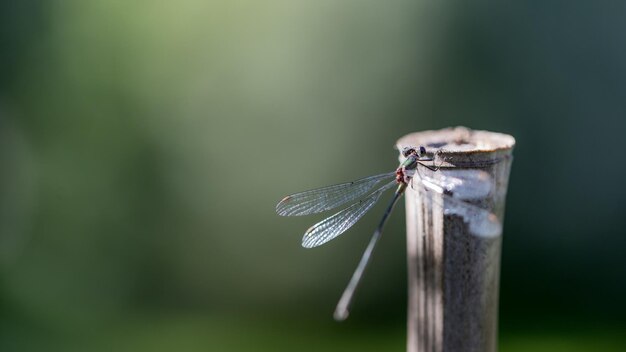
(459, 193)
(326, 198)
(338, 223)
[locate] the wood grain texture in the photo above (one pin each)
(453, 266)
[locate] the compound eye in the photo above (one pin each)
(422, 150)
(408, 151)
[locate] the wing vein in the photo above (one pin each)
(340, 222)
(327, 198)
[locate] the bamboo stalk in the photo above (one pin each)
(454, 241)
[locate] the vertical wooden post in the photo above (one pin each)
(454, 240)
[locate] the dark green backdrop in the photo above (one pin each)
(143, 146)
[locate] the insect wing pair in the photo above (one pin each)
(456, 191)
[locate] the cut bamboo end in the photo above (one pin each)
(454, 224)
(461, 146)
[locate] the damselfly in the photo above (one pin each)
(362, 195)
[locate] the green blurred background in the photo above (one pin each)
(144, 145)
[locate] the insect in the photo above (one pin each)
(362, 195)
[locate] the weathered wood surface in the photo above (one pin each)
(454, 253)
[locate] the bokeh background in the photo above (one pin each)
(144, 145)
